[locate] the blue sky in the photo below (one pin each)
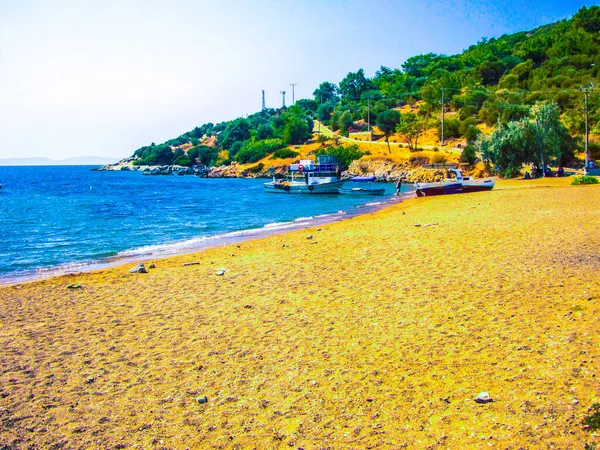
(102, 78)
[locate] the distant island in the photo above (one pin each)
(75, 161)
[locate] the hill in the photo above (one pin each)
(494, 82)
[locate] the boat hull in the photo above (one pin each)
(361, 191)
(303, 188)
(429, 189)
(486, 184)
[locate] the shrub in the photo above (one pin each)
(253, 151)
(439, 158)
(584, 179)
(593, 420)
(468, 155)
(257, 168)
(594, 149)
(284, 153)
(343, 155)
(418, 160)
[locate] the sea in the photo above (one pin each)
(65, 219)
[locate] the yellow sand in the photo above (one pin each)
(375, 333)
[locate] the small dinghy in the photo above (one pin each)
(368, 190)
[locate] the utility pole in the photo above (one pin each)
(293, 97)
(263, 100)
(283, 94)
(442, 117)
(320, 103)
(586, 91)
(369, 115)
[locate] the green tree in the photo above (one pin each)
(536, 139)
(296, 130)
(236, 130)
(343, 154)
(327, 93)
(387, 122)
(411, 126)
(353, 86)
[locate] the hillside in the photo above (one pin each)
(494, 82)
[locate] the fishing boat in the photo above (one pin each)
(477, 184)
(369, 190)
(455, 185)
(309, 178)
(450, 186)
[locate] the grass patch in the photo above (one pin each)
(593, 420)
(584, 179)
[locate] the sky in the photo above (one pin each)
(103, 78)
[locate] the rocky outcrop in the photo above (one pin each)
(383, 169)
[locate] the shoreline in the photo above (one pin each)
(198, 244)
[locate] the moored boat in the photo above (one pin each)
(477, 184)
(309, 178)
(455, 185)
(369, 190)
(451, 186)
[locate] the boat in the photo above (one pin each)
(454, 186)
(451, 186)
(309, 178)
(360, 190)
(477, 184)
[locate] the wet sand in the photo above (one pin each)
(377, 332)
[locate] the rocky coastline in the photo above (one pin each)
(383, 170)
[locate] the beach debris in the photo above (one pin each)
(483, 397)
(89, 379)
(314, 242)
(74, 286)
(221, 271)
(445, 399)
(152, 266)
(417, 224)
(202, 399)
(318, 229)
(285, 245)
(310, 236)
(231, 399)
(194, 263)
(140, 268)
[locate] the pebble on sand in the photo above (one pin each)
(483, 397)
(140, 268)
(202, 399)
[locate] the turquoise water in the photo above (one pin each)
(57, 219)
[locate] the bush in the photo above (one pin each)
(594, 149)
(593, 420)
(418, 160)
(468, 155)
(451, 129)
(254, 151)
(584, 179)
(257, 168)
(284, 153)
(343, 155)
(439, 158)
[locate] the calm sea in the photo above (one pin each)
(61, 219)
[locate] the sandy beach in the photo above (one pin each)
(374, 332)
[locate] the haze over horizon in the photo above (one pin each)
(103, 79)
